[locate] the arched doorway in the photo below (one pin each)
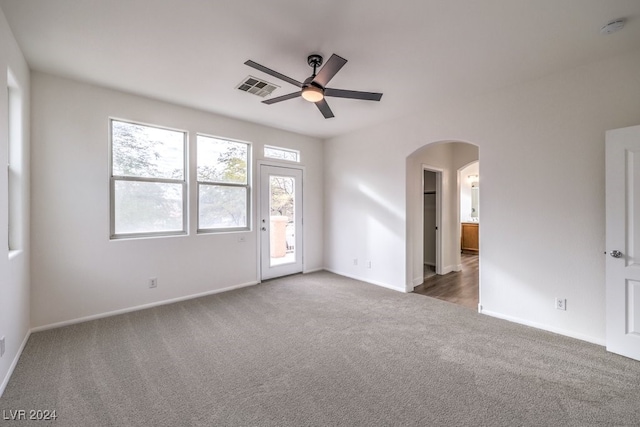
(446, 160)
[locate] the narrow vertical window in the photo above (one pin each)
(148, 180)
(14, 166)
(223, 184)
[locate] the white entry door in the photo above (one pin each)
(623, 241)
(280, 221)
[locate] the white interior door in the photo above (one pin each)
(623, 241)
(280, 221)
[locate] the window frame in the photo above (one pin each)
(115, 178)
(247, 186)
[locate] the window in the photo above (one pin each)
(14, 167)
(281, 153)
(148, 180)
(223, 184)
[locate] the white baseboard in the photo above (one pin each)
(544, 327)
(417, 281)
(13, 365)
(450, 268)
(138, 307)
(313, 270)
(373, 282)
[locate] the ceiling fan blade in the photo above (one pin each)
(329, 69)
(352, 94)
(324, 109)
(275, 74)
(282, 98)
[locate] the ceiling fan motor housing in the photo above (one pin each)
(314, 61)
(309, 82)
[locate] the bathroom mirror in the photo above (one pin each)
(470, 193)
(475, 214)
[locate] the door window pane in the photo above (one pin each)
(282, 224)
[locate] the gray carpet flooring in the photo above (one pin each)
(315, 350)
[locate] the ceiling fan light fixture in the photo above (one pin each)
(312, 93)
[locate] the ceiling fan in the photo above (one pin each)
(314, 89)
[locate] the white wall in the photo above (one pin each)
(364, 208)
(77, 271)
(465, 191)
(447, 158)
(14, 266)
(545, 137)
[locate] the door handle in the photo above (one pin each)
(616, 254)
(264, 228)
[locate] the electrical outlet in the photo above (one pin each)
(561, 303)
(355, 261)
(153, 282)
(1, 346)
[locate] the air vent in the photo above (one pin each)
(257, 86)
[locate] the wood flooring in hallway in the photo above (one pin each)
(459, 287)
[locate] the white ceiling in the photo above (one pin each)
(417, 52)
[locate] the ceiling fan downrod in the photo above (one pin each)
(314, 61)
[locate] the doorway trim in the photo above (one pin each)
(447, 159)
(438, 171)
